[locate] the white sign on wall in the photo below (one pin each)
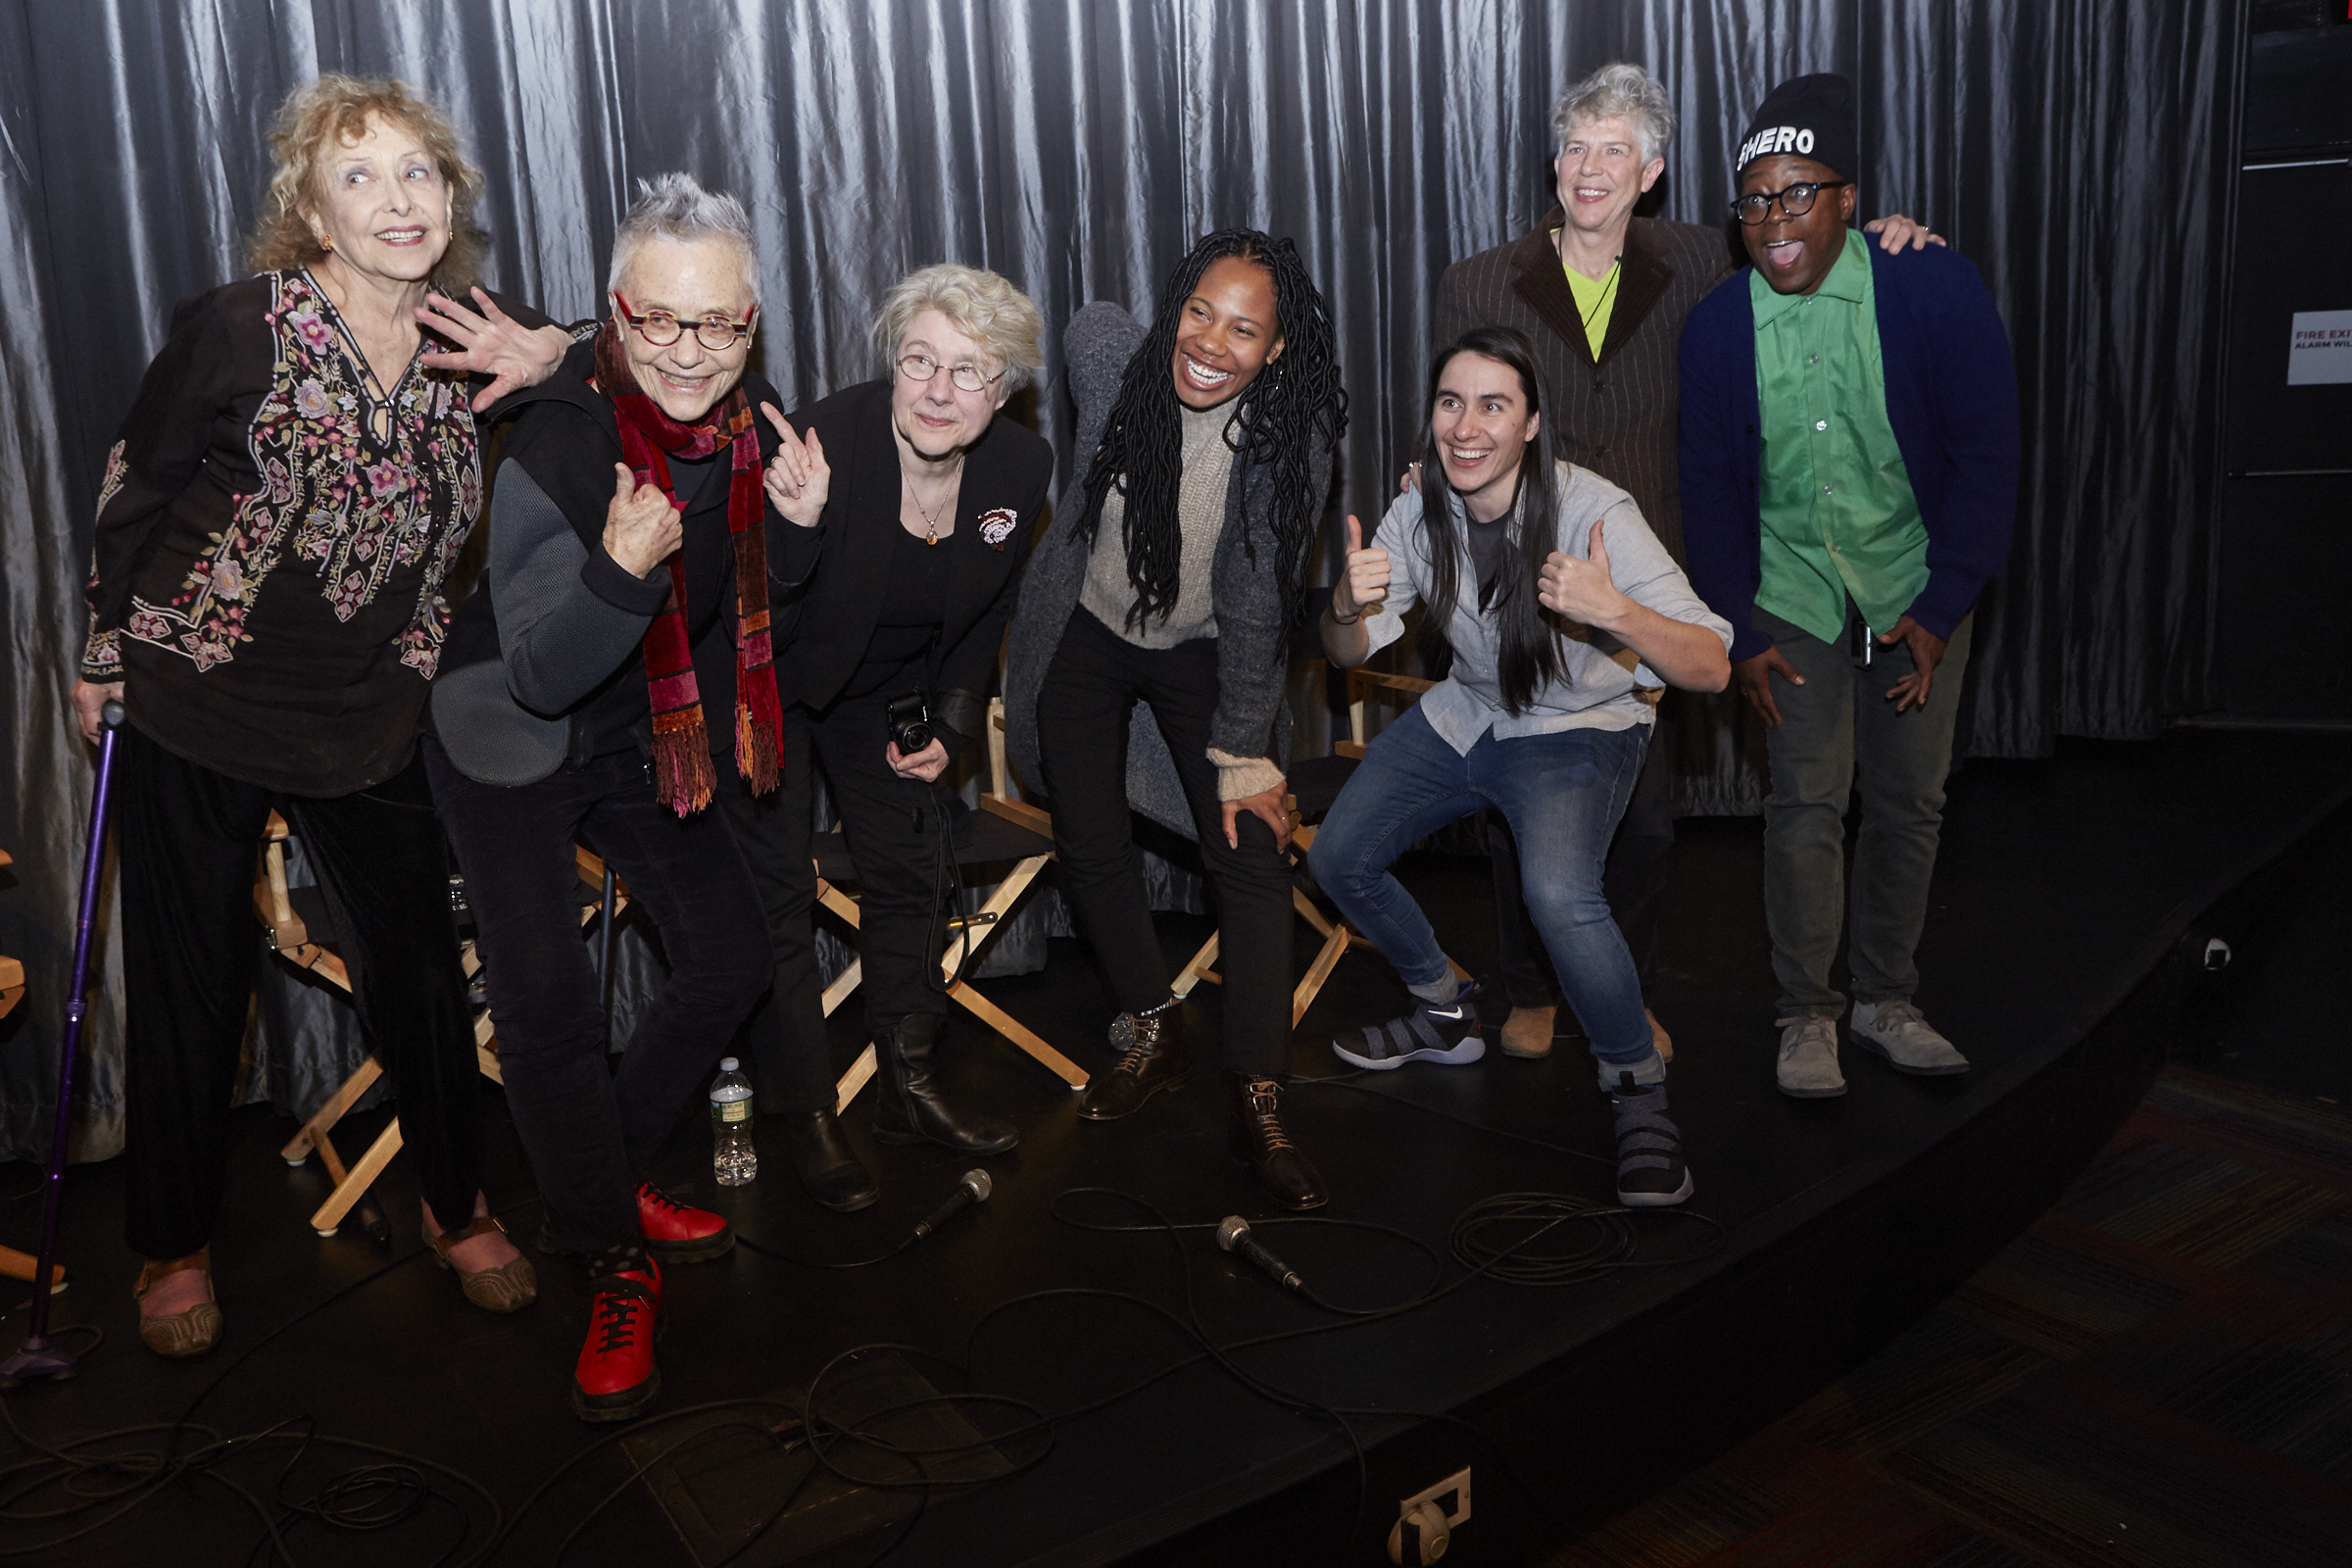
(2321, 349)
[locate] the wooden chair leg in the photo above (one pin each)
(843, 984)
(1198, 970)
(860, 1072)
(329, 1217)
(1335, 947)
(1013, 1029)
(314, 1132)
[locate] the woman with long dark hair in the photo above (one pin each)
(1171, 580)
(1564, 616)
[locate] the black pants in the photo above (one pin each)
(187, 838)
(1094, 679)
(591, 1134)
(1634, 882)
(891, 828)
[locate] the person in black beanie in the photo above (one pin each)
(1849, 464)
(1602, 295)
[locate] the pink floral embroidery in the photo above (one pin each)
(316, 334)
(997, 526)
(350, 506)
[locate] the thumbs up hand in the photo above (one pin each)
(1580, 589)
(640, 526)
(1364, 582)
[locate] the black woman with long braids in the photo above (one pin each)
(1170, 579)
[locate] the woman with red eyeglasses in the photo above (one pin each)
(611, 670)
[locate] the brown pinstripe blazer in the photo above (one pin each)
(1616, 417)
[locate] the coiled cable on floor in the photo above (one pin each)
(1554, 1239)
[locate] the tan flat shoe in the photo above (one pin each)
(179, 1335)
(1527, 1032)
(1658, 1036)
(508, 1287)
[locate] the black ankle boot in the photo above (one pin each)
(1259, 1143)
(907, 1108)
(829, 1172)
(1154, 1058)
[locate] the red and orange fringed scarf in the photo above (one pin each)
(683, 777)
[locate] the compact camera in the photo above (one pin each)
(907, 722)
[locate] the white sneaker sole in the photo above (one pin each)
(1626, 1200)
(1462, 1056)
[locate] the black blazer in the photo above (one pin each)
(824, 626)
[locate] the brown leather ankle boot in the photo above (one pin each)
(1259, 1143)
(1155, 1059)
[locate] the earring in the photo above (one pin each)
(326, 242)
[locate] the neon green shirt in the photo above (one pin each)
(1595, 302)
(1839, 519)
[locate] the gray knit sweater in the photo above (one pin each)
(1249, 722)
(1199, 513)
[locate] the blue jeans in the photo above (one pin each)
(1561, 793)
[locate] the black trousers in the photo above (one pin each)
(891, 828)
(186, 837)
(1094, 681)
(1634, 882)
(590, 1133)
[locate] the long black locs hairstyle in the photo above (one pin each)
(1530, 655)
(1295, 403)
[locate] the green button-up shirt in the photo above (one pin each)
(1839, 518)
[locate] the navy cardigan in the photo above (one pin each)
(1951, 398)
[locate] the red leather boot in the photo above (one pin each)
(616, 1377)
(679, 1233)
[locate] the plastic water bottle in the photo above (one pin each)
(733, 1159)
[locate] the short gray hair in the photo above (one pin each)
(984, 306)
(1617, 90)
(675, 207)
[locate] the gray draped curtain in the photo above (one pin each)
(2077, 151)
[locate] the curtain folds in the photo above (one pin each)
(2076, 153)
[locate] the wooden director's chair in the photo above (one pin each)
(299, 927)
(12, 971)
(1315, 783)
(14, 1265)
(1005, 830)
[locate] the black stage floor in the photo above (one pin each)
(2072, 898)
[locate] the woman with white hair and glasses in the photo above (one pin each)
(928, 521)
(613, 668)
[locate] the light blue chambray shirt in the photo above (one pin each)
(1594, 690)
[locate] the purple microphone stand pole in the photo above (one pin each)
(37, 1357)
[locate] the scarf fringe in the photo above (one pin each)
(683, 777)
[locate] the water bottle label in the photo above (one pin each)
(733, 1109)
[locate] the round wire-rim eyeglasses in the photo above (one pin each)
(966, 377)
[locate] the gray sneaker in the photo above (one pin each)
(1808, 1066)
(1897, 1031)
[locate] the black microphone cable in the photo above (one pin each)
(972, 1187)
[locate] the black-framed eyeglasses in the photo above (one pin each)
(713, 332)
(1796, 200)
(967, 377)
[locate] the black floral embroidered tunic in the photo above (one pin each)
(271, 542)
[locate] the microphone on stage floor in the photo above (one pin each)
(973, 1188)
(1234, 1236)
